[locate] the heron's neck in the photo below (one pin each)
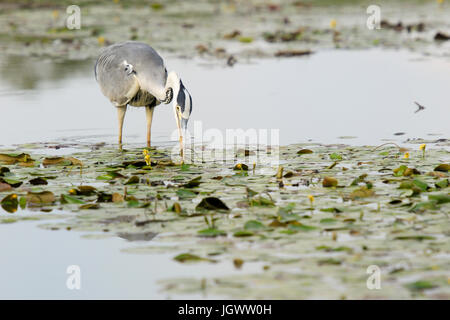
(173, 82)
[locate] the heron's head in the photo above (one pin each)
(183, 105)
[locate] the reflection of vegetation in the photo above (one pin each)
(28, 72)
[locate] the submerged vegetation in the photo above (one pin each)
(308, 228)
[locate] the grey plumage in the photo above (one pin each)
(131, 73)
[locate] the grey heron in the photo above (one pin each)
(133, 73)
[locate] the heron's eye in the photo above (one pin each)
(128, 69)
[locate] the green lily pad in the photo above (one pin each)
(335, 156)
(415, 237)
(421, 285)
(10, 203)
(211, 232)
(439, 198)
(243, 233)
(188, 257)
(254, 225)
(70, 199)
(186, 194)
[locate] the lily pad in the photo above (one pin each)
(439, 198)
(421, 285)
(70, 161)
(304, 151)
(40, 198)
(10, 203)
(188, 257)
(329, 182)
(38, 181)
(12, 182)
(211, 232)
(254, 225)
(212, 203)
(70, 199)
(444, 167)
(23, 158)
(243, 233)
(335, 156)
(362, 192)
(193, 183)
(186, 194)
(132, 180)
(90, 206)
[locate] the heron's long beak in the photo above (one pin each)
(182, 123)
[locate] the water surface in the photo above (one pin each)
(329, 95)
(367, 95)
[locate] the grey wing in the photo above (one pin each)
(116, 81)
(148, 66)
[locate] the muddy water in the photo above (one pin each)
(367, 95)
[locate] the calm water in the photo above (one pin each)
(34, 264)
(363, 94)
(368, 95)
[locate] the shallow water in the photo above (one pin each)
(34, 266)
(363, 95)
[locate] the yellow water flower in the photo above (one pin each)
(333, 24)
(311, 199)
(406, 155)
(147, 159)
(145, 152)
(423, 147)
(101, 40)
(55, 14)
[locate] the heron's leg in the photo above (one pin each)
(149, 114)
(121, 115)
(177, 119)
